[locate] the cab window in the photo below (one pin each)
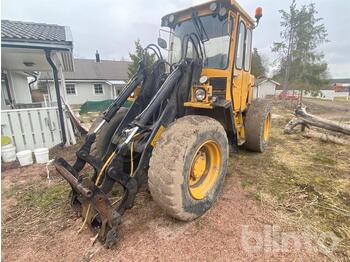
(216, 48)
(248, 50)
(240, 46)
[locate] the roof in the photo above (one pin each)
(340, 81)
(39, 33)
(89, 69)
(263, 80)
(233, 3)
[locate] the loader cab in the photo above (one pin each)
(224, 33)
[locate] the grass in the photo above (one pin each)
(40, 208)
(306, 180)
(45, 198)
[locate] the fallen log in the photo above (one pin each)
(326, 137)
(304, 119)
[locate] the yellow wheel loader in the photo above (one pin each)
(175, 137)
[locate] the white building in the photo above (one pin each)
(92, 80)
(264, 87)
(26, 50)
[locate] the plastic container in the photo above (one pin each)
(41, 155)
(8, 153)
(25, 157)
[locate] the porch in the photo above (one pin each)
(29, 49)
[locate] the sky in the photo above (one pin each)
(112, 26)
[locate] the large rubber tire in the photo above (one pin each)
(103, 138)
(171, 161)
(259, 112)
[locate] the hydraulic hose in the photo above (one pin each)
(127, 91)
(162, 94)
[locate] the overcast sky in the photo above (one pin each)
(111, 26)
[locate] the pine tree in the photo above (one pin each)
(137, 56)
(258, 69)
(300, 64)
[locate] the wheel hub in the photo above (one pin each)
(205, 169)
(267, 127)
(199, 167)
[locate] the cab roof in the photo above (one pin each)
(232, 4)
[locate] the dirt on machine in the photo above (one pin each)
(188, 111)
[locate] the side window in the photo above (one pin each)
(240, 46)
(98, 89)
(248, 50)
(70, 89)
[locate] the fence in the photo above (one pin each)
(33, 127)
(324, 94)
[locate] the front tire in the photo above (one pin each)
(103, 138)
(188, 166)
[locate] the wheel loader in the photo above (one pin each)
(188, 111)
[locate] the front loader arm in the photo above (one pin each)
(159, 104)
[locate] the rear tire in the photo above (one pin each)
(257, 125)
(104, 136)
(188, 166)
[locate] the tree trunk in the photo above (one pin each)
(326, 137)
(305, 119)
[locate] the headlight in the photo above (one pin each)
(203, 79)
(213, 6)
(222, 11)
(171, 19)
(200, 94)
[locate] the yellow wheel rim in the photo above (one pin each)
(267, 127)
(205, 169)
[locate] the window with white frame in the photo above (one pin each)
(98, 89)
(70, 89)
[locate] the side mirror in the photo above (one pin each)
(162, 43)
(258, 14)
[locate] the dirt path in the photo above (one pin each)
(148, 234)
(339, 111)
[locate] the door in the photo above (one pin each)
(241, 77)
(238, 72)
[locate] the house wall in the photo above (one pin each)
(264, 89)
(19, 85)
(3, 103)
(84, 92)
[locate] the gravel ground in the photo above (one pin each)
(148, 234)
(237, 228)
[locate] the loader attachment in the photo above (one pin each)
(125, 163)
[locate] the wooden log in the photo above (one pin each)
(312, 120)
(304, 119)
(288, 129)
(326, 137)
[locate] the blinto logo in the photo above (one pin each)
(272, 239)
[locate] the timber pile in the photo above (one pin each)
(306, 120)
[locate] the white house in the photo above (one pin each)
(92, 80)
(264, 87)
(26, 50)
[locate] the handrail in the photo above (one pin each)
(28, 109)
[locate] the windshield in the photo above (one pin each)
(215, 50)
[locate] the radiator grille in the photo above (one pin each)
(219, 86)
